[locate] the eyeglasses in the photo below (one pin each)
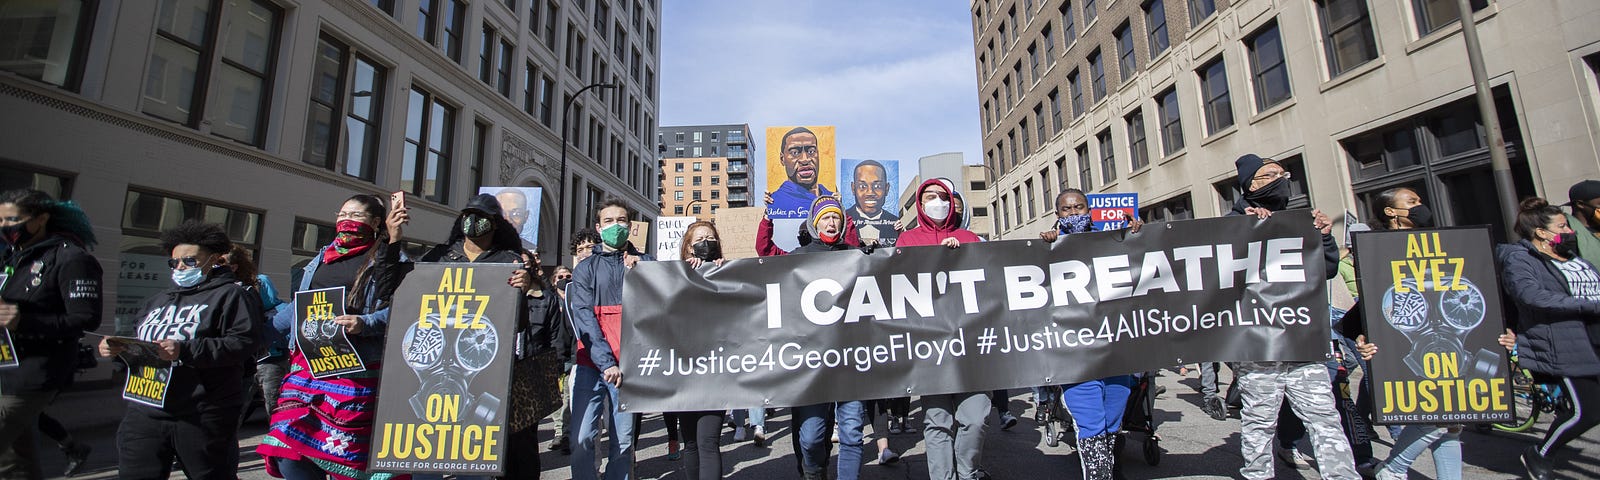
(353, 215)
(810, 150)
(875, 186)
(1267, 177)
(190, 262)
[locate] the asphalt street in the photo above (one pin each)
(1194, 446)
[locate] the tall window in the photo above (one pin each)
(351, 86)
(1433, 15)
(1055, 109)
(1027, 146)
(1090, 11)
(45, 41)
(1214, 91)
(486, 56)
(508, 54)
(1033, 60)
(480, 152)
(1033, 202)
(1040, 123)
(1267, 69)
(1097, 75)
(547, 93)
(1108, 156)
(1049, 38)
(1346, 34)
(1171, 122)
(987, 123)
(446, 16)
(1127, 63)
(1005, 87)
(552, 17)
(1077, 94)
(1155, 21)
(1069, 28)
(1085, 172)
(1016, 71)
(530, 92)
(1138, 153)
(602, 12)
(198, 75)
(1200, 10)
(430, 144)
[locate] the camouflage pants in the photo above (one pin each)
(1263, 386)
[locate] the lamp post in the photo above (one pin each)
(689, 209)
(561, 203)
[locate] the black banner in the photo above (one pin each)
(446, 371)
(326, 348)
(804, 329)
(1431, 299)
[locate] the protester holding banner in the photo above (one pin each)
(595, 295)
(1264, 385)
(767, 248)
(1097, 405)
(954, 422)
(701, 431)
(323, 427)
(205, 331)
(1557, 295)
(49, 295)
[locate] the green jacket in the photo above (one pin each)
(1588, 244)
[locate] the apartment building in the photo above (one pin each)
(703, 168)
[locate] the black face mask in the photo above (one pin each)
(707, 250)
(474, 225)
(16, 235)
(1272, 196)
(1568, 248)
(562, 284)
(1420, 216)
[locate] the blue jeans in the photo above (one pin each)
(1097, 405)
(1413, 439)
(755, 417)
(851, 418)
(809, 425)
(589, 394)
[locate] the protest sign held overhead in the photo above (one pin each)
(806, 329)
(669, 236)
(1431, 300)
(801, 166)
(1111, 211)
(871, 198)
(521, 207)
(327, 350)
(447, 358)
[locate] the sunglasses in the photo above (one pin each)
(190, 262)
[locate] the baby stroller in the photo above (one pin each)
(1139, 418)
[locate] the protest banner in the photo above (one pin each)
(822, 327)
(669, 236)
(1431, 300)
(327, 350)
(447, 368)
(870, 196)
(801, 165)
(1111, 211)
(736, 229)
(521, 207)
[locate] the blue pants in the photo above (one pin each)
(809, 425)
(851, 418)
(1097, 405)
(589, 395)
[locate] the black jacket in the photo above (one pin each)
(217, 324)
(596, 282)
(1330, 248)
(56, 286)
(817, 246)
(545, 328)
(1553, 335)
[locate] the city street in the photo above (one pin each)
(1195, 446)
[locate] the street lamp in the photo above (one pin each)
(561, 203)
(689, 209)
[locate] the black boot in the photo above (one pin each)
(1538, 466)
(1096, 454)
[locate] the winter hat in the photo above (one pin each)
(1248, 164)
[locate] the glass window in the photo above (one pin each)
(1127, 63)
(1077, 94)
(1097, 75)
(18, 176)
(486, 56)
(1178, 208)
(1108, 156)
(1090, 11)
(546, 100)
(552, 15)
(1055, 109)
(1069, 28)
(1346, 34)
(1033, 60)
(1433, 15)
(387, 6)
(508, 54)
(1155, 21)
(45, 40)
(1027, 146)
(1171, 122)
(1085, 171)
(1214, 91)
(1138, 153)
(454, 20)
(186, 51)
(345, 111)
(1033, 203)
(480, 152)
(1039, 120)
(429, 147)
(1200, 10)
(1049, 39)
(1268, 71)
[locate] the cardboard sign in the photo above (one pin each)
(1111, 211)
(669, 236)
(444, 393)
(326, 347)
(736, 229)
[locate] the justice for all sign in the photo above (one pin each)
(442, 396)
(1431, 300)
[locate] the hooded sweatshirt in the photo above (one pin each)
(930, 232)
(217, 324)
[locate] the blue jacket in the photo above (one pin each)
(368, 343)
(597, 281)
(1553, 335)
(791, 200)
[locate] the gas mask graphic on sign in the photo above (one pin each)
(319, 332)
(447, 358)
(1435, 314)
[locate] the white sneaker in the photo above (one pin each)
(1292, 457)
(738, 434)
(1385, 474)
(760, 436)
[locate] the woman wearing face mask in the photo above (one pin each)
(51, 296)
(765, 247)
(701, 431)
(1096, 406)
(1557, 295)
(206, 328)
(953, 423)
(364, 258)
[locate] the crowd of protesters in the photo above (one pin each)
(226, 331)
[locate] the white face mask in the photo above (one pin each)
(936, 209)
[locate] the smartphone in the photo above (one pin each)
(398, 200)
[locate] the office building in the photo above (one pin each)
(704, 168)
(1354, 97)
(265, 115)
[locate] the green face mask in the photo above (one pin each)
(614, 236)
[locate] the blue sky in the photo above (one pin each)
(896, 77)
